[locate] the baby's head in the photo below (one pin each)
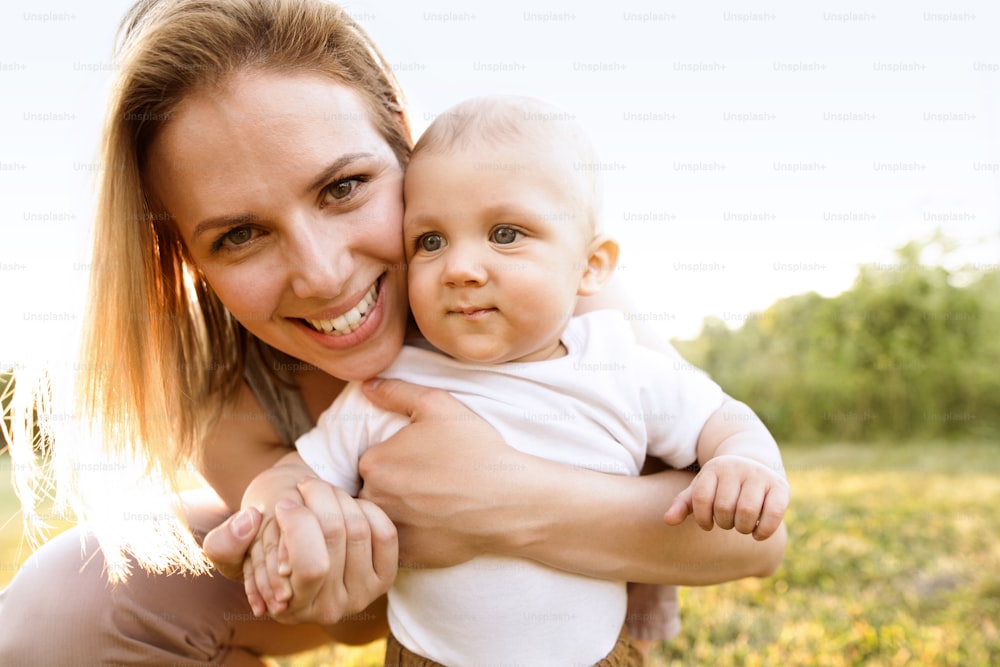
(500, 125)
(501, 229)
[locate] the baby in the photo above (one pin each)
(501, 238)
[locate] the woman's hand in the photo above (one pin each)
(342, 552)
(227, 544)
(443, 479)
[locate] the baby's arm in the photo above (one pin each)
(266, 570)
(742, 481)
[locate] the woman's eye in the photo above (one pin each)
(504, 235)
(236, 236)
(239, 236)
(431, 242)
(341, 189)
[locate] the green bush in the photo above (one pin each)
(908, 350)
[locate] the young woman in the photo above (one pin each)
(249, 230)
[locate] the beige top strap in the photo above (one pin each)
(279, 397)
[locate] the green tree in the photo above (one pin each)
(906, 351)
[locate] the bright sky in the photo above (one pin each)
(749, 152)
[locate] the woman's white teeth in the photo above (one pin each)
(352, 319)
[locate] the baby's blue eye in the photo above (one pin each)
(431, 242)
(504, 235)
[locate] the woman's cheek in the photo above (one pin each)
(245, 293)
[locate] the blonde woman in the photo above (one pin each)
(251, 230)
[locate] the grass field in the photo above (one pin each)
(894, 559)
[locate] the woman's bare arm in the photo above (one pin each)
(468, 493)
(614, 529)
(242, 445)
(243, 442)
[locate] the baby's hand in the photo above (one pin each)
(734, 491)
(266, 570)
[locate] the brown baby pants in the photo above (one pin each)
(623, 654)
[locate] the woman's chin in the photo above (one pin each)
(378, 354)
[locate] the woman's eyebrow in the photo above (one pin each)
(322, 179)
(221, 221)
(334, 167)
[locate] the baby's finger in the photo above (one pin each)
(284, 564)
(261, 574)
(258, 571)
(703, 491)
(277, 582)
(254, 598)
(679, 509)
(727, 494)
(775, 505)
(749, 506)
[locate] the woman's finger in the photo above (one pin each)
(393, 395)
(227, 544)
(358, 569)
(385, 543)
(322, 500)
(412, 400)
(308, 557)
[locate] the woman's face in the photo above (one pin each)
(290, 204)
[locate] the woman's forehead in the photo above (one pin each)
(273, 114)
(259, 131)
(262, 101)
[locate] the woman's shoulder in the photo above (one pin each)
(291, 393)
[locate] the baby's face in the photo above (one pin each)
(496, 240)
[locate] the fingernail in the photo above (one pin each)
(242, 524)
(285, 594)
(287, 504)
(372, 383)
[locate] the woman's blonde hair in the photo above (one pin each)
(160, 354)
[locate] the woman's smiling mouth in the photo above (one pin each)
(352, 319)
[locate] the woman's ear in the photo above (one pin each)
(602, 257)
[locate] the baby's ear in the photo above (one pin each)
(602, 257)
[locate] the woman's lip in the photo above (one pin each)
(336, 311)
(369, 326)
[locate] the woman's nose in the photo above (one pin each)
(318, 268)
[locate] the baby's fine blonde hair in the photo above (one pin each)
(511, 120)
